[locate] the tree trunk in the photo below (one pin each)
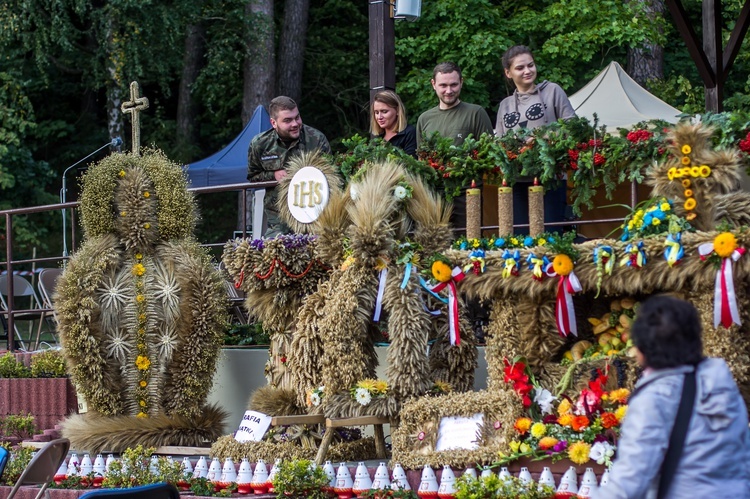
(259, 68)
(646, 62)
(187, 109)
(114, 90)
(292, 48)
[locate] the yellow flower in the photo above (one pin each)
(665, 207)
(562, 264)
(565, 420)
(565, 407)
(121, 173)
(725, 244)
(686, 149)
(655, 221)
(143, 384)
(146, 194)
(147, 225)
(443, 387)
(619, 395)
(688, 193)
(631, 224)
(541, 242)
(139, 269)
(620, 412)
(690, 204)
(122, 213)
(475, 243)
(651, 208)
(686, 183)
(142, 415)
(367, 384)
(705, 171)
(441, 271)
(514, 241)
(380, 386)
(514, 446)
(685, 160)
(138, 256)
(140, 298)
(579, 452)
(142, 403)
(538, 430)
(142, 363)
(524, 448)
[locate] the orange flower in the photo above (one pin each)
(565, 420)
(522, 425)
(686, 183)
(562, 264)
(580, 423)
(609, 420)
(690, 204)
(441, 271)
(620, 395)
(725, 244)
(685, 160)
(547, 443)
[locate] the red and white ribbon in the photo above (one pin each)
(726, 311)
(456, 276)
(565, 313)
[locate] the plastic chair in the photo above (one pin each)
(22, 289)
(4, 454)
(42, 467)
(153, 491)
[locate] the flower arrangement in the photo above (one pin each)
(315, 396)
(367, 389)
(533, 397)
(653, 217)
(581, 429)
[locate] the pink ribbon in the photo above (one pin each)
(726, 311)
(456, 276)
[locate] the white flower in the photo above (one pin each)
(362, 396)
(353, 192)
(315, 399)
(543, 398)
(601, 452)
(400, 192)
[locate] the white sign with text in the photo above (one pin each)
(308, 194)
(253, 426)
(456, 432)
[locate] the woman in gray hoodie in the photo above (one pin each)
(715, 456)
(531, 106)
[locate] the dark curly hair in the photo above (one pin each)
(667, 331)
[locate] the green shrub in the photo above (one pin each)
(298, 479)
(495, 487)
(17, 425)
(12, 368)
(246, 334)
(20, 459)
(48, 364)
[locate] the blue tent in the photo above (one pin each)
(229, 166)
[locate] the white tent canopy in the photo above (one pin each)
(619, 101)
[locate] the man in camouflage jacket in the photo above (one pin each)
(271, 151)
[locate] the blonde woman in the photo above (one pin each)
(388, 121)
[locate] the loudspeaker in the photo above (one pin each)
(408, 9)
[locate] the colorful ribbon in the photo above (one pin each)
(381, 291)
(635, 256)
(477, 262)
(512, 263)
(408, 267)
(726, 312)
(673, 250)
(456, 276)
(565, 313)
(537, 265)
(607, 256)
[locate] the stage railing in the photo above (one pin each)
(243, 189)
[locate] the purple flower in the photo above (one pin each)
(257, 244)
(560, 446)
(600, 438)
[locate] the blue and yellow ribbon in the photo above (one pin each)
(537, 265)
(476, 262)
(673, 250)
(512, 263)
(635, 256)
(607, 256)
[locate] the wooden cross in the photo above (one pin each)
(134, 106)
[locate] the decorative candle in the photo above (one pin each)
(536, 209)
(504, 210)
(473, 212)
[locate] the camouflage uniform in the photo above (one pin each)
(267, 154)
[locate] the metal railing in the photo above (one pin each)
(243, 188)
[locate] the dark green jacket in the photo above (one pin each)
(268, 153)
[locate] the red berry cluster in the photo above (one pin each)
(599, 159)
(639, 136)
(745, 144)
(573, 158)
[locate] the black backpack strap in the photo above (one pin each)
(679, 432)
